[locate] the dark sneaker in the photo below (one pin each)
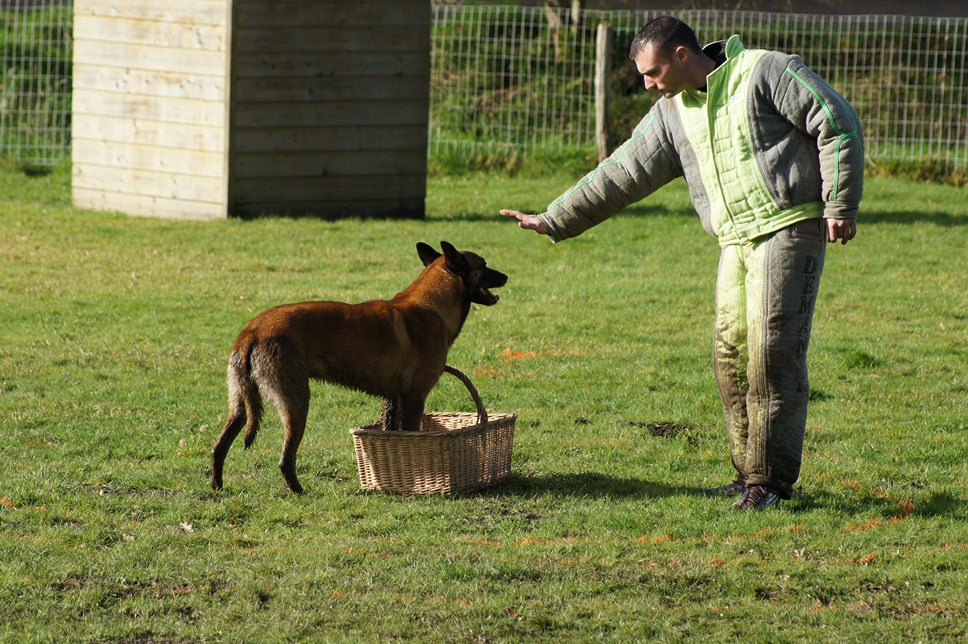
(736, 488)
(757, 497)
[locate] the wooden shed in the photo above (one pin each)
(203, 109)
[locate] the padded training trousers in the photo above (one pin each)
(765, 295)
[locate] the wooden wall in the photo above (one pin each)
(150, 107)
(201, 109)
(330, 104)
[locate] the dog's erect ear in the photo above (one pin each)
(456, 261)
(426, 253)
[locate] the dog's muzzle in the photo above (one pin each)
(483, 294)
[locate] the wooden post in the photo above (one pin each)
(603, 48)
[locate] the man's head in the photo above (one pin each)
(668, 56)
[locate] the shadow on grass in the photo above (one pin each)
(935, 505)
(598, 485)
(588, 484)
(937, 218)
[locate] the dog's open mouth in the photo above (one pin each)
(485, 297)
(489, 278)
(483, 294)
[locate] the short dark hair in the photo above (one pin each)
(665, 33)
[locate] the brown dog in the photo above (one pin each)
(395, 349)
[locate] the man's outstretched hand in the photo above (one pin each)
(528, 222)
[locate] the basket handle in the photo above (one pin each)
(481, 412)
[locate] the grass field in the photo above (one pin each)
(114, 333)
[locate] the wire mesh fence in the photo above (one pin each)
(519, 78)
(515, 79)
(35, 95)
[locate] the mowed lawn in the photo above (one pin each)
(114, 336)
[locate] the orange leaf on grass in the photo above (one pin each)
(906, 509)
(510, 355)
(867, 560)
(876, 522)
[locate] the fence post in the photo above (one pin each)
(603, 49)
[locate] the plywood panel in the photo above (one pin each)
(326, 90)
(153, 33)
(308, 189)
(301, 64)
(332, 104)
(125, 81)
(135, 156)
(329, 164)
(359, 207)
(332, 38)
(105, 128)
(323, 139)
(149, 57)
(267, 114)
(145, 206)
(406, 13)
(129, 181)
(150, 107)
(191, 12)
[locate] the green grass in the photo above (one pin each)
(114, 333)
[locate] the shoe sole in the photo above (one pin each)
(765, 504)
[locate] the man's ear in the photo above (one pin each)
(426, 253)
(456, 262)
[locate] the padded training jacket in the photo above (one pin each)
(767, 145)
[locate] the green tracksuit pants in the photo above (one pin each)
(765, 295)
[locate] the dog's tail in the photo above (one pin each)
(245, 409)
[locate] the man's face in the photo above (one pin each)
(666, 75)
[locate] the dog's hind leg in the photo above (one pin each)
(233, 425)
(294, 420)
(245, 408)
(284, 379)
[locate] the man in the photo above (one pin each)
(773, 158)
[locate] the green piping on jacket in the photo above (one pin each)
(616, 161)
(842, 136)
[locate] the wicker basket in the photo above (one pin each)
(452, 452)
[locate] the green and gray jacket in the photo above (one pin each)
(767, 145)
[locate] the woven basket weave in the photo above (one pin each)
(452, 453)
